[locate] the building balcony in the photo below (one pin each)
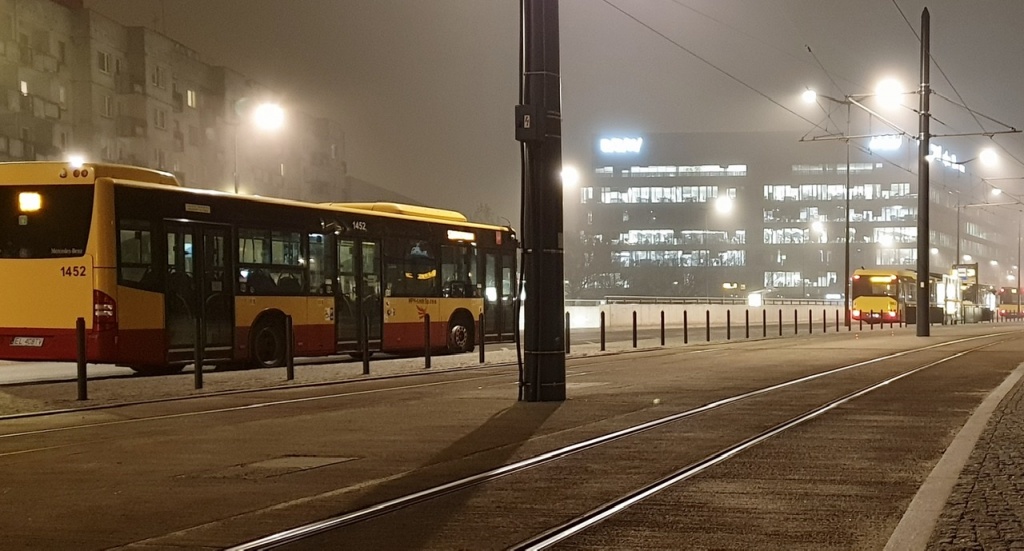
(132, 127)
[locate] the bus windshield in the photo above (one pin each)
(875, 286)
(50, 221)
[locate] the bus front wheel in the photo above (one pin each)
(268, 346)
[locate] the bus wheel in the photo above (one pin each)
(268, 345)
(150, 370)
(460, 335)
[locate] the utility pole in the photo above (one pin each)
(539, 128)
(923, 245)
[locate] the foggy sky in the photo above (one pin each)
(425, 89)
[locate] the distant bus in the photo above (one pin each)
(885, 295)
(144, 261)
(1009, 303)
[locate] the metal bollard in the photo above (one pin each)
(602, 331)
(480, 337)
(707, 324)
(567, 343)
(634, 328)
(289, 353)
(728, 325)
(198, 353)
(365, 344)
(860, 322)
(83, 391)
(872, 316)
(663, 328)
(426, 341)
(824, 321)
(764, 324)
(837, 321)
(747, 321)
(796, 323)
(810, 322)
(686, 330)
(780, 322)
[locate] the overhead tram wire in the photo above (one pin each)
(708, 63)
(744, 84)
(963, 103)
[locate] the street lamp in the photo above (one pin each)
(266, 117)
(889, 91)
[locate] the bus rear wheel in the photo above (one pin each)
(268, 346)
(460, 335)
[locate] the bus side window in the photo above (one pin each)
(135, 256)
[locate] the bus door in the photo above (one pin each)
(358, 294)
(198, 282)
(499, 295)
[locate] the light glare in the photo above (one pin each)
(889, 92)
(29, 201)
(268, 116)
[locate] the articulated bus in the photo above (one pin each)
(145, 262)
(890, 296)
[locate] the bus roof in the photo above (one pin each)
(405, 210)
(52, 172)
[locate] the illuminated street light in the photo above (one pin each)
(267, 117)
(570, 177)
(885, 90)
(723, 204)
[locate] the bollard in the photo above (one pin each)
(480, 335)
(663, 328)
(872, 316)
(810, 322)
(728, 325)
(780, 322)
(289, 352)
(746, 323)
(567, 344)
(860, 322)
(199, 353)
(426, 341)
(796, 323)
(764, 324)
(602, 331)
(83, 391)
(707, 324)
(837, 321)
(824, 321)
(634, 328)
(366, 345)
(686, 330)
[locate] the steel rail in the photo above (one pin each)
(301, 532)
(611, 508)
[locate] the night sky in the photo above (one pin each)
(426, 89)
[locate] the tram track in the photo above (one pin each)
(299, 536)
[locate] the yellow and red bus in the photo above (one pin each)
(146, 262)
(885, 295)
(1009, 303)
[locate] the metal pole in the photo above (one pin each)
(634, 328)
(780, 322)
(663, 328)
(796, 323)
(539, 128)
(289, 353)
(567, 343)
(686, 330)
(198, 353)
(707, 324)
(602, 331)
(746, 323)
(923, 327)
(764, 323)
(846, 240)
(426, 341)
(480, 337)
(83, 391)
(728, 325)
(365, 342)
